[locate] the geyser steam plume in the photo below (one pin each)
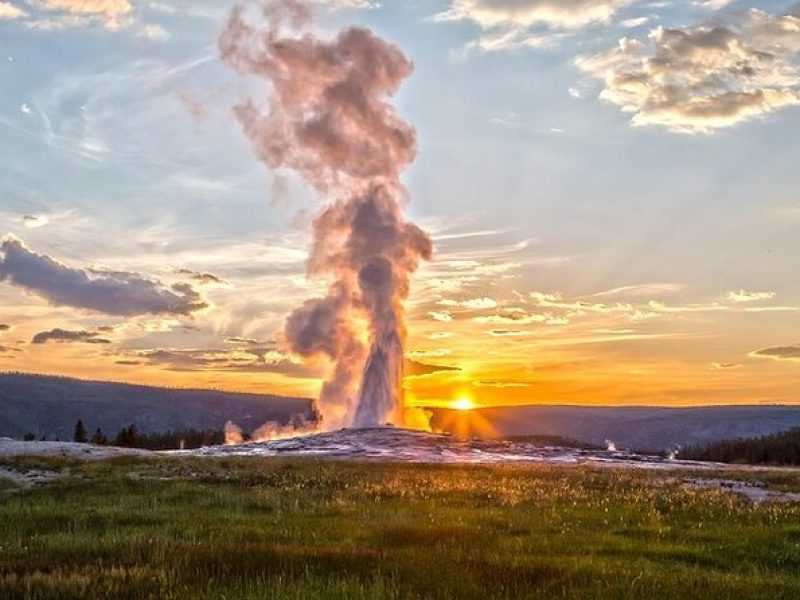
(329, 119)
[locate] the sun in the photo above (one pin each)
(463, 404)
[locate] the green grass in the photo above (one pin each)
(277, 528)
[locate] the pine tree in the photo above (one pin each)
(99, 438)
(122, 437)
(133, 436)
(80, 433)
(127, 437)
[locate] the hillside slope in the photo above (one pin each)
(775, 449)
(50, 406)
(641, 428)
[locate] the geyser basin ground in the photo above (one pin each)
(275, 527)
(406, 445)
(382, 444)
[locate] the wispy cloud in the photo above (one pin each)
(68, 336)
(108, 11)
(35, 221)
(442, 316)
(203, 277)
(724, 366)
(640, 290)
(778, 353)
(470, 303)
(529, 23)
(743, 296)
(413, 368)
(244, 359)
(10, 11)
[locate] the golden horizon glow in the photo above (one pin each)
(463, 404)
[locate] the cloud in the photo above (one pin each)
(440, 335)
(9, 12)
(643, 289)
(109, 292)
(35, 221)
(109, 12)
(779, 353)
(713, 4)
(66, 336)
(501, 384)
(245, 360)
(412, 368)
(536, 312)
(470, 304)
(634, 22)
(203, 277)
(744, 296)
(718, 366)
(153, 32)
(112, 15)
(703, 78)
(532, 23)
(442, 316)
(247, 341)
(348, 4)
(4, 327)
(509, 333)
(513, 316)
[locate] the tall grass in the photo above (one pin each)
(278, 528)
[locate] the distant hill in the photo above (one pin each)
(776, 449)
(50, 406)
(638, 428)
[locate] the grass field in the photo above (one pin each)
(278, 528)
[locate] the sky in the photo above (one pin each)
(611, 187)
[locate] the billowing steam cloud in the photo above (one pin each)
(329, 119)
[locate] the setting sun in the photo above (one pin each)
(463, 404)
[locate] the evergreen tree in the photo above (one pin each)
(80, 433)
(99, 438)
(127, 437)
(776, 449)
(122, 437)
(133, 436)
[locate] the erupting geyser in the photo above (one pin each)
(329, 119)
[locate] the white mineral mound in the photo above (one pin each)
(406, 445)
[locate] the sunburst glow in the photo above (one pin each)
(463, 404)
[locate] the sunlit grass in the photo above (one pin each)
(261, 528)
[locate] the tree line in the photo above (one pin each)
(775, 449)
(130, 437)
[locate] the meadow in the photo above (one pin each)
(285, 528)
